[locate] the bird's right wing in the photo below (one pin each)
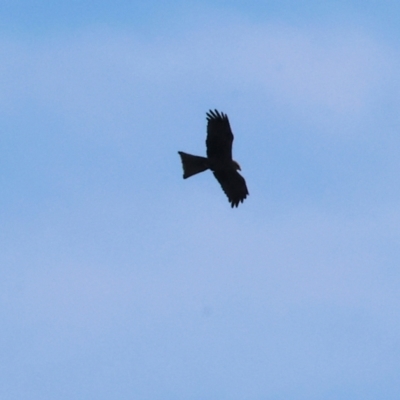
(219, 137)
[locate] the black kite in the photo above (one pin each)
(219, 159)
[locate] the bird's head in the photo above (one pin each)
(236, 165)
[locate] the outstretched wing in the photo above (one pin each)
(233, 184)
(219, 137)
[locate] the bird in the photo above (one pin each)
(219, 159)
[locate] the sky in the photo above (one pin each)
(120, 280)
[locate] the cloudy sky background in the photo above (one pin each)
(120, 280)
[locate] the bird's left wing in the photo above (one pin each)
(233, 184)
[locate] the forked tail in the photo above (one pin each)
(192, 164)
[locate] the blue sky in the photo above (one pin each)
(120, 280)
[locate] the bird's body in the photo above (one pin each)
(219, 159)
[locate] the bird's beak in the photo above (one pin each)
(236, 165)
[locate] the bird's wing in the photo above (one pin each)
(219, 137)
(233, 184)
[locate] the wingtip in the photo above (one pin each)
(215, 114)
(236, 203)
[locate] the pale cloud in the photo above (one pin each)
(310, 71)
(198, 256)
(339, 71)
(119, 274)
(247, 304)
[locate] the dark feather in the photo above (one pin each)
(219, 137)
(233, 184)
(219, 159)
(192, 164)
